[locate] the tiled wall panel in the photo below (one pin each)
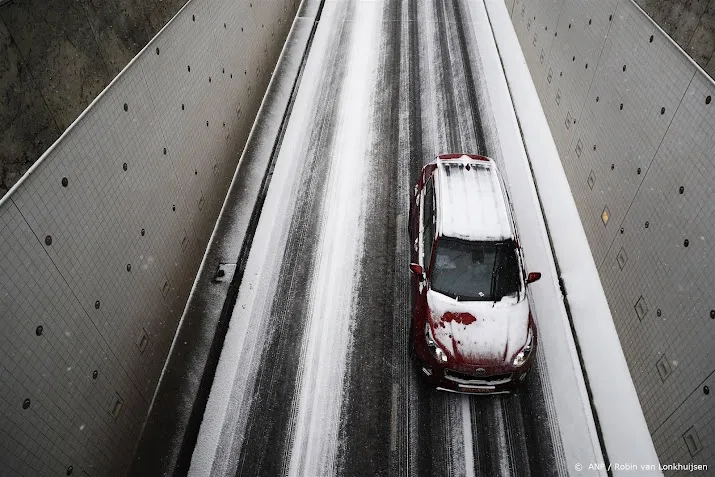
(636, 133)
(100, 245)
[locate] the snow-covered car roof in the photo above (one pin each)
(471, 200)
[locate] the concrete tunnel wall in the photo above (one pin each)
(101, 242)
(634, 122)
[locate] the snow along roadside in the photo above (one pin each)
(624, 430)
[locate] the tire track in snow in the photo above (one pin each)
(314, 445)
(266, 443)
(370, 416)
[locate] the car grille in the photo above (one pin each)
(457, 376)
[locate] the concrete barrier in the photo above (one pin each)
(101, 240)
(634, 123)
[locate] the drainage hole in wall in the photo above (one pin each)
(712, 314)
(647, 224)
(706, 390)
(651, 39)
(165, 151)
(64, 182)
(97, 305)
(143, 232)
(682, 189)
(624, 67)
(708, 99)
(70, 469)
(621, 107)
(95, 373)
(129, 267)
(124, 166)
(622, 230)
(48, 240)
(686, 242)
(658, 312)
(38, 330)
(25, 403)
(157, 51)
(126, 107)
(662, 111)
(638, 171)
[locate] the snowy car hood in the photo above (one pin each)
(477, 332)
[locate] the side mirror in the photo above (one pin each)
(417, 270)
(533, 276)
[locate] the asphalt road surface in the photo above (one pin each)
(328, 387)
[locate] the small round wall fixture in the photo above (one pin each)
(97, 305)
(708, 99)
(129, 267)
(681, 190)
(647, 224)
(621, 107)
(65, 182)
(686, 242)
(48, 240)
(126, 107)
(95, 373)
(143, 232)
(38, 330)
(622, 230)
(658, 312)
(70, 469)
(662, 111)
(124, 166)
(26, 404)
(706, 390)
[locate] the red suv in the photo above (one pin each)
(472, 328)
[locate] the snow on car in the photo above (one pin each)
(472, 329)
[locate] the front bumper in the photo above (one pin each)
(445, 379)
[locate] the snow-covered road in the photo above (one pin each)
(315, 377)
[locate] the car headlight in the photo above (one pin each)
(523, 355)
(434, 348)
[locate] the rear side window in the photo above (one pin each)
(429, 222)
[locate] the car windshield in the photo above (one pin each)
(475, 271)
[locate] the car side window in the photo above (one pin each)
(429, 225)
